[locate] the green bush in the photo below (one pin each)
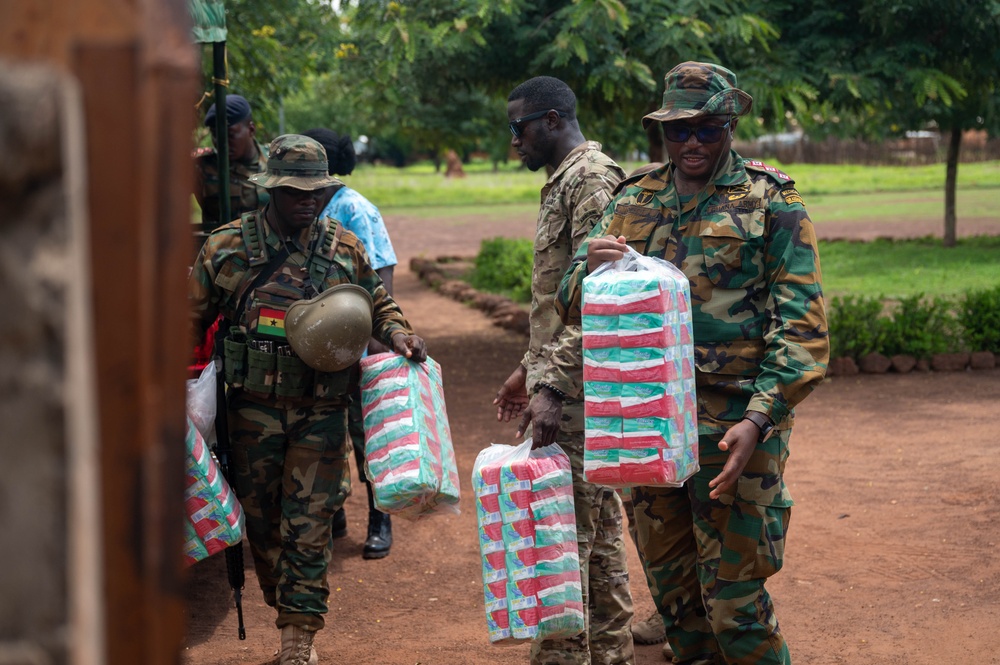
(504, 265)
(919, 327)
(855, 326)
(979, 316)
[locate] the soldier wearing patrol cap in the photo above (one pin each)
(301, 301)
(247, 157)
(740, 232)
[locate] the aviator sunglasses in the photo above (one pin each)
(515, 125)
(677, 133)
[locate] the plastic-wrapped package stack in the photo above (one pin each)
(527, 537)
(215, 518)
(638, 374)
(409, 457)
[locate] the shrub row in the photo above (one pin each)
(915, 326)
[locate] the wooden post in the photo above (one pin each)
(136, 70)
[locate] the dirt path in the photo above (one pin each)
(892, 555)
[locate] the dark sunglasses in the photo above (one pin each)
(515, 125)
(676, 133)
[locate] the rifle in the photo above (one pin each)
(224, 448)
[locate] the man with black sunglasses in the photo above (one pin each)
(546, 388)
(740, 232)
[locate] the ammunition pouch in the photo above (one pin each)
(268, 370)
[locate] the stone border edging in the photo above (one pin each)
(876, 363)
(501, 310)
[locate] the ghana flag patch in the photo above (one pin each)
(271, 322)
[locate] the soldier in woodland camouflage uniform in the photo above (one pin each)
(542, 113)
(247, 157)
(288, 422)
(739, 231)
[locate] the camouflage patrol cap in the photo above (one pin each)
(694, 89)
(295, 161)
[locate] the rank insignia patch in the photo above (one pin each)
(791, 196)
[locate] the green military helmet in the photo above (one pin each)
(331, 331)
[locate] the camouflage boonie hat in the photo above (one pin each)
(694, 89)
(295, 161)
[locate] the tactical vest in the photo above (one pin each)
(257, 357)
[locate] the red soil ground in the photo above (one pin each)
(892, 552)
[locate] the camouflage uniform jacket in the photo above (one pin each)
(749, 250)
(221, 273)
(572, 202)
(244, 195)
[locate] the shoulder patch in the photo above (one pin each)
(755, 165)
(791, 195)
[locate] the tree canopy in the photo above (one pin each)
(423, 76)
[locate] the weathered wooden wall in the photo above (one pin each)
(132, 71)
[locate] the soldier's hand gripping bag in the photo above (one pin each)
(638, 374)
(527, 539)
(409, 457)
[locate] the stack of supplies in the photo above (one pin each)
(409, 457)
(638, 373)
(527, 537)
(215, 518)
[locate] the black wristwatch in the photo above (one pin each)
(762, 422)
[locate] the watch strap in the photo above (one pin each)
(762, 422)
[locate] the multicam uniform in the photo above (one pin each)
(573, 200)
(288, 422)
(244, 195)
(761, 343)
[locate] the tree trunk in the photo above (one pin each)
(950, 183)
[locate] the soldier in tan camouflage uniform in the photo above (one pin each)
(738, 229)
(542, 114)
(247, 157)
(288, 421)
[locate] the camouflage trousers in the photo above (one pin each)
(706, 561)
(607, 637)
(292, 474)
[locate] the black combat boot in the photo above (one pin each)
(379, 530)
(338, 527)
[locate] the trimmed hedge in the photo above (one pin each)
(916, 326)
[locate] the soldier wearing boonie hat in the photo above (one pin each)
(296, 161)
(739, 231)
(288, 413)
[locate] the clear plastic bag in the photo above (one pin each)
(527, 538)
(201, 403)
(638, 371)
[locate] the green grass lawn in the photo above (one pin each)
(895, 269)
(832, 193)
(419, 186)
